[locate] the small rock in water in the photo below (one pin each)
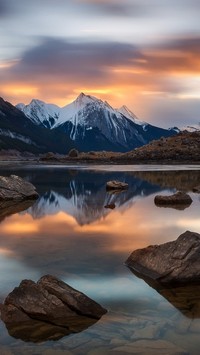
(110, 205)
(116, 185)
(179, 200)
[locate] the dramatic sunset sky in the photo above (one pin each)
(142, 53)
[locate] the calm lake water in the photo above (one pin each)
(69, 233)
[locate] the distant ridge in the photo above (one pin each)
(19, 133)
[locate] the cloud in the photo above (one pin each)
(189, 44)
(57, 70)
(55, 58)
(179, 55)
(4, 8)
(113, 7)
(100, 61)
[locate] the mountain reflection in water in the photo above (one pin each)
(85, 198)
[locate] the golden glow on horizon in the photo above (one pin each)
(134, 70)
(19, 89)
(93, 91)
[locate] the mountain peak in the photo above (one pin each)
(124, 110)
(83, 99)
(36, 102)
(81, 95)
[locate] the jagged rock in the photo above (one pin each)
(172, 263)
(116, 185)
(73, 153)
(50, 301)
(179, 200)
(15, 188)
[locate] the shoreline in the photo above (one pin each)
(99, 162)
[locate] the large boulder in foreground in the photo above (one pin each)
(179, 200)
(116, 185)
(172, 263)
(15, 188)
(50, 305)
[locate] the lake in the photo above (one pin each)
(69, 233)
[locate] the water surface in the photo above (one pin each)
(69, 233)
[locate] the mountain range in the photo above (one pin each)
(87, 124)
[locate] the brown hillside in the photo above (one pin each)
(185, 146)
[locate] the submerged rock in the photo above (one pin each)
(51, 301)
(180, 200)
(172, 263)
(111, 206)
(116, 185)
(15, 188)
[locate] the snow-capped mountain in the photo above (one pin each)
(41, 113)
(93, 124)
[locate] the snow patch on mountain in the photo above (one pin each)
(14, 135)
(124, 110)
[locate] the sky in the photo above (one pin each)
(141, 53)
